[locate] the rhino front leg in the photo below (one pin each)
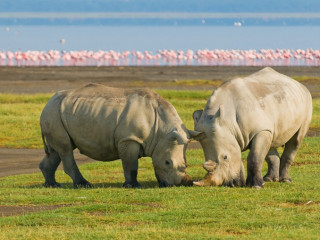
(48, 167)
(129, 154)
(273, 161)
(70, 167)
(288, 155)
(259, 148)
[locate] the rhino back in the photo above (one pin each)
(266, 100)
(98, 117)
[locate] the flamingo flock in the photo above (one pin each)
(204, 57)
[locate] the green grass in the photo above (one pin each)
(19, 120)
(306, 78)
(279, 211)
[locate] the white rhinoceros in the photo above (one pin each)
(260, 112)
(109, 123)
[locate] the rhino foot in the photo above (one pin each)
(85, 184)
(287, 180)
(255, 182)
(131, 185)
(52, 185)
(164, 184)
(269, 178)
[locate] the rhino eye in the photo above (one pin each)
(182, 169)
(225, 157)
(210, 117)
(167, 162)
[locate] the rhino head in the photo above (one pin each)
(169, 159)
(221, 149)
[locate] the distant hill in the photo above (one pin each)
(160, 6)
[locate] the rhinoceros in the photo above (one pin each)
(106, 124)
(260, 112)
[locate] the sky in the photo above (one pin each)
(159, 6)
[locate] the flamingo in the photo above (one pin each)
(168, 57)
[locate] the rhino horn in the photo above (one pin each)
(187, 181)
(202, 183)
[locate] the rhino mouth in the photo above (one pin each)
(162, 183)
(209, 180)
(186, 181)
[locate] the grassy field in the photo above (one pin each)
(279, 211)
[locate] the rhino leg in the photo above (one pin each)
(273, 161)
(48, 167)
(288, 155)
(129, 152)
(259, 148)
(70, 167)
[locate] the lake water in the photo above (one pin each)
(153, 38)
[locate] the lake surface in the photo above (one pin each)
(153, 38)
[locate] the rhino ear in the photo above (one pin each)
(174, 136)
(196, 116)
(221, 112)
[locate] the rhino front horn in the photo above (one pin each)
(202, 183)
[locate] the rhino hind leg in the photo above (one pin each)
(129, 152)
(260, 146)
(70, 167)
(48, 167)
(288, 155)
(273, 161)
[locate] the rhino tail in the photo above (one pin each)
(46, 148)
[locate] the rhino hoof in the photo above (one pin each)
(255, 183)
(131, 185)
(52, 185)
(270, 179)
(287, 180)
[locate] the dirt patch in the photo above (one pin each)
(25, 161)
(313, 132)
(52, 79)
(305, 163)
(6, 211)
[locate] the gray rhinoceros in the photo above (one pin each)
(260, 112)
(109, 123)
